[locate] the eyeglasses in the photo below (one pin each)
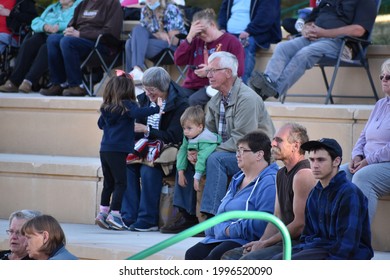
(242, 151)
(12, 232)
(121, 73)
(150, 89)
(386, 77)
(212, 71)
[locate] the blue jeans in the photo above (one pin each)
(5, 40)
(373, 180)
(141, 45)
(219, 167)
(250, 59)
(142, 205)
(292, 58)
(65, 55)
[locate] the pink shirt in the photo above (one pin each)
(374, 141)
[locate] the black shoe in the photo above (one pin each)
(263, 85)
(54, 90)
(75, 91)
(179, 226)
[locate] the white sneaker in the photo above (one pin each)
(137, 75)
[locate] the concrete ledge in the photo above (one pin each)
(380, 228)
(32, 124)
(66, 187)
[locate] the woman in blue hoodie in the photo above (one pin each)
(251, 189)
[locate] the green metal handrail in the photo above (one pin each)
(216, 220)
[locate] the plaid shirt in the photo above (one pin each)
(222, 119)
(336, 218)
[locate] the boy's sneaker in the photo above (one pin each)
(143, 227)
(101, 220)
(115, 221)
(137, 75)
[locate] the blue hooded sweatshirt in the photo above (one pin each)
(259, 195)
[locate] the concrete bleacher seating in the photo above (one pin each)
(49, 158)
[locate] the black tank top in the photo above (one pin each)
(284, 183)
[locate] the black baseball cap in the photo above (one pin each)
(326, 143)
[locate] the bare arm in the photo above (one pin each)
(302, 184)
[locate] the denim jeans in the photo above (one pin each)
(65, 55)
(142, 205)
(373, 180)
(5, 40)
(250, 59)
(141, 45)
(292, 58)
(219, 167)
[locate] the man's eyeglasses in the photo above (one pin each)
(242, 151)
(212, 71)
(121, 73)
(386, 77)
(10, 232)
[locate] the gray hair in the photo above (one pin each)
(298, 133)
(386, 66)
(24, 215)
(156, 77)
(226, 60)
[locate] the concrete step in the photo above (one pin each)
(66, 187)
(35, 124)
(92, 242)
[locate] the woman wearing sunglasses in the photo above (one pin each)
(369, 167)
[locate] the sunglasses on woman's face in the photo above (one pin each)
(385, 77)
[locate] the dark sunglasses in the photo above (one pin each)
(386, 77)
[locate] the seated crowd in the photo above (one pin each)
(231, 141)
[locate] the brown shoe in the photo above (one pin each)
(9, 87)
(25, 87)
(54, 90)
(75, 91)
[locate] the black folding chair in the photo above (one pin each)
(166, 57)
(98, 63)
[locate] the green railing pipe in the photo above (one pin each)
(216, 220)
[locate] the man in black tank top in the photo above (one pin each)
(293, 184)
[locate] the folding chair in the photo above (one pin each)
(10, 52)
(166, 57)
(101, 63)
(359, 60)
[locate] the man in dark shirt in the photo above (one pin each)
(336, 217)
(331, 19)
(293, 184)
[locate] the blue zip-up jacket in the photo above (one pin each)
(118, 128)
(259, 195)
(336, 218)
(265, 20)
(61, 253)
(54, 15)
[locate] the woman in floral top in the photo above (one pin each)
(160, 22)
